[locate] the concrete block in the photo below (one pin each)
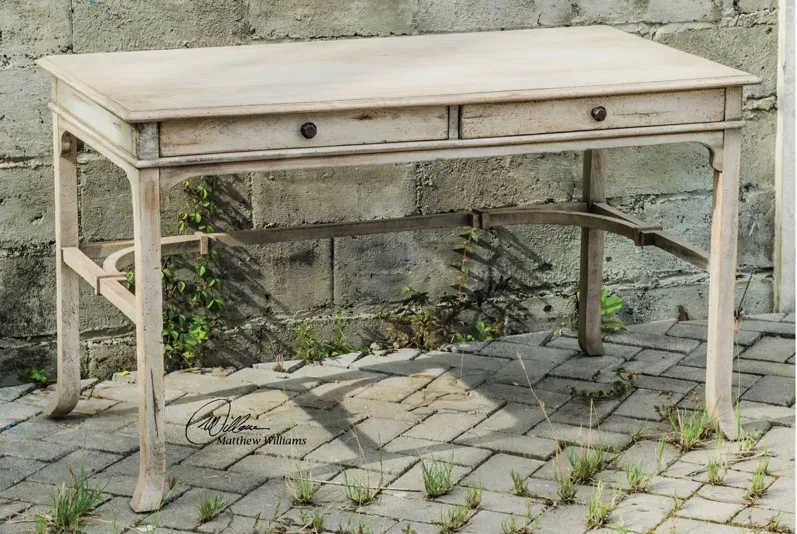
(374, 269)
(752, 6)
(33, 28)
(472, 15)
(306, 19)
(495, 182)
(655, 11)
(27, 207)
(152, 24)
(752, 50)
(108, 356)
(308, 196)
(758, 150)
(25, 124)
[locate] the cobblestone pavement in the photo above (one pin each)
(376, 418)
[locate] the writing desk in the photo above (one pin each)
(165, 116)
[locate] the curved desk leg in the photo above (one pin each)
(591, 278)
(149, 348)
(66, 280)
(722, 269)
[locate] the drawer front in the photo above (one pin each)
(336, 128)
(594, 113)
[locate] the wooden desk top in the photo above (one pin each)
(450, 69)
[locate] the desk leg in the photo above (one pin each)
(591, 278)
(149, 347)
(722, 269)
(66, 280)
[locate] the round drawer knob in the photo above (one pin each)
(599, 113)
(309, 130)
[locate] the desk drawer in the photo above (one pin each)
(335, 128)
(594, 113)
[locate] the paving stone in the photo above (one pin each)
(458, 454)
(406, 508)
(711, 508)
(777, 415)
(628, 425)
(113, 516)
(18, 411)
(182, 512)
(537, 354)
(35, 449)
(99, 441)
(374, 408)
(588, 367)
(652, 362)
(758, 518)
(420, 528)
(487, 521)
(654, 341)
(11, 508)
(612, 349)
(789, 318)
(300, 440)
(413, 479)
(758, 367)
(472, 402)
(779, 496)
(700, 332)
(528, 446)
(523, 372)
(646, 452)
(381, 362)
(443, 426)
(652, 327)
(496, 473)
(772, 390)
(743, 380)
(533, 339)
(690, 526)
(397, 388)
(786, 329)
(344, 360)
(673, 487)
(773, 349)
(663, 383)
(207, 384)
(462, 361)
(11, 393)
(14, 470)
(472, 347)
(581, 436)
(642, 404)
(87, 461)
(496, 502)
(263, 500)
(115, 391)
(329, 395)
(214, 479)
(512, 418)
(567, 518)
(585, 412)
(641, 512)
(449, 383)
(522, 394)
(32, 492)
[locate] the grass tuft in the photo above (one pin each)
(758, 483)
(69, 504)
(358, 489)
(473, 496)
(519, 485)
(312, 523)
(689, 429)
(528, 526)
(638, 480)
(585, 466)
(455, 518)
(598, 510)
(301, 486)
(437, 477)
(209, 508)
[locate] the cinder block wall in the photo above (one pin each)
(268, 287)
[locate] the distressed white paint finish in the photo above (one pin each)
(784, 162)
(450, 69)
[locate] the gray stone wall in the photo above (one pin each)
(268, 287)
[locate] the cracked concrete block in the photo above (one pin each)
(27, 206)
(434, 16)
(752, 50)
(30, 29)
(308, 19)
(157, 24)
(25, 123)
